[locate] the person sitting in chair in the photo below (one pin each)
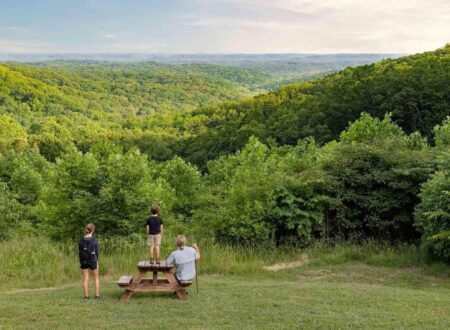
(184, 259)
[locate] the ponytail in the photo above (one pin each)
(90, 227)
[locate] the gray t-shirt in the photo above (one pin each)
(184, 260)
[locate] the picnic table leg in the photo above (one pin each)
(181, 293)
(170, 277)
(139, 276)
(126, 295)
(155, 278)
(129, 293)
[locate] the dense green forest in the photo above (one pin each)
(414, 89)
(61, 103)
(359, 154)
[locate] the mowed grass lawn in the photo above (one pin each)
(353, 295)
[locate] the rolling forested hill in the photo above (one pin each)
(58, 103)
(86, 101)
(415, 89)
(277, 69)
(181, 110)
(142, 89)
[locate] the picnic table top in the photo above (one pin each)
(147, 266)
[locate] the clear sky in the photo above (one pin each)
(215, 26)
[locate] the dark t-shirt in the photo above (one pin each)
(154, 224)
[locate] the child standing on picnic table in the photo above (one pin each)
(155, 230)
(88, 253)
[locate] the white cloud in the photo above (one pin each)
(329, 25)
(245, 23)
(24, 47)
(420, 7)
(250, 26)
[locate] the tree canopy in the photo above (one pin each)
(359, 154)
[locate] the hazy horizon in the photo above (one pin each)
(207, 53)
(233, 59)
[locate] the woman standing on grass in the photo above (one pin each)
(88, 252)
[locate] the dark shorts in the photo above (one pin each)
(180, 281)
(89, 265)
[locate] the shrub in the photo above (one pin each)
(10, 211)
(263, 195)
(375, 173)
(108, 188)
(185, 179)
(433, 213)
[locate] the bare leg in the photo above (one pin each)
(85, 282)
(157, 252)
(150, 249)
(96, 282)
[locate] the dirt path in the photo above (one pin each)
(50, 288)
(303, 259)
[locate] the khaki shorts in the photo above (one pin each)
(154, 240)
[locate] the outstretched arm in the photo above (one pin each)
(197, 251)
(171, 259)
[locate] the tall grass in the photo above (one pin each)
(369, 252)
(39, 261)
(36, 261)
(375, 253)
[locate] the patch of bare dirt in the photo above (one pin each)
(303, 259)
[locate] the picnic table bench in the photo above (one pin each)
(141, 284)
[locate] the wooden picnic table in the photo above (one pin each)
(141, 284)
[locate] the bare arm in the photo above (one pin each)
(79, 249)
(197, 251)
(97, 252)
(162, 229)
(171, 259)
(148, 229)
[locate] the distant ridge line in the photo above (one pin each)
(186, 58)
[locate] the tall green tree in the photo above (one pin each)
(375, 172)
(12, 135)
(433, 213)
